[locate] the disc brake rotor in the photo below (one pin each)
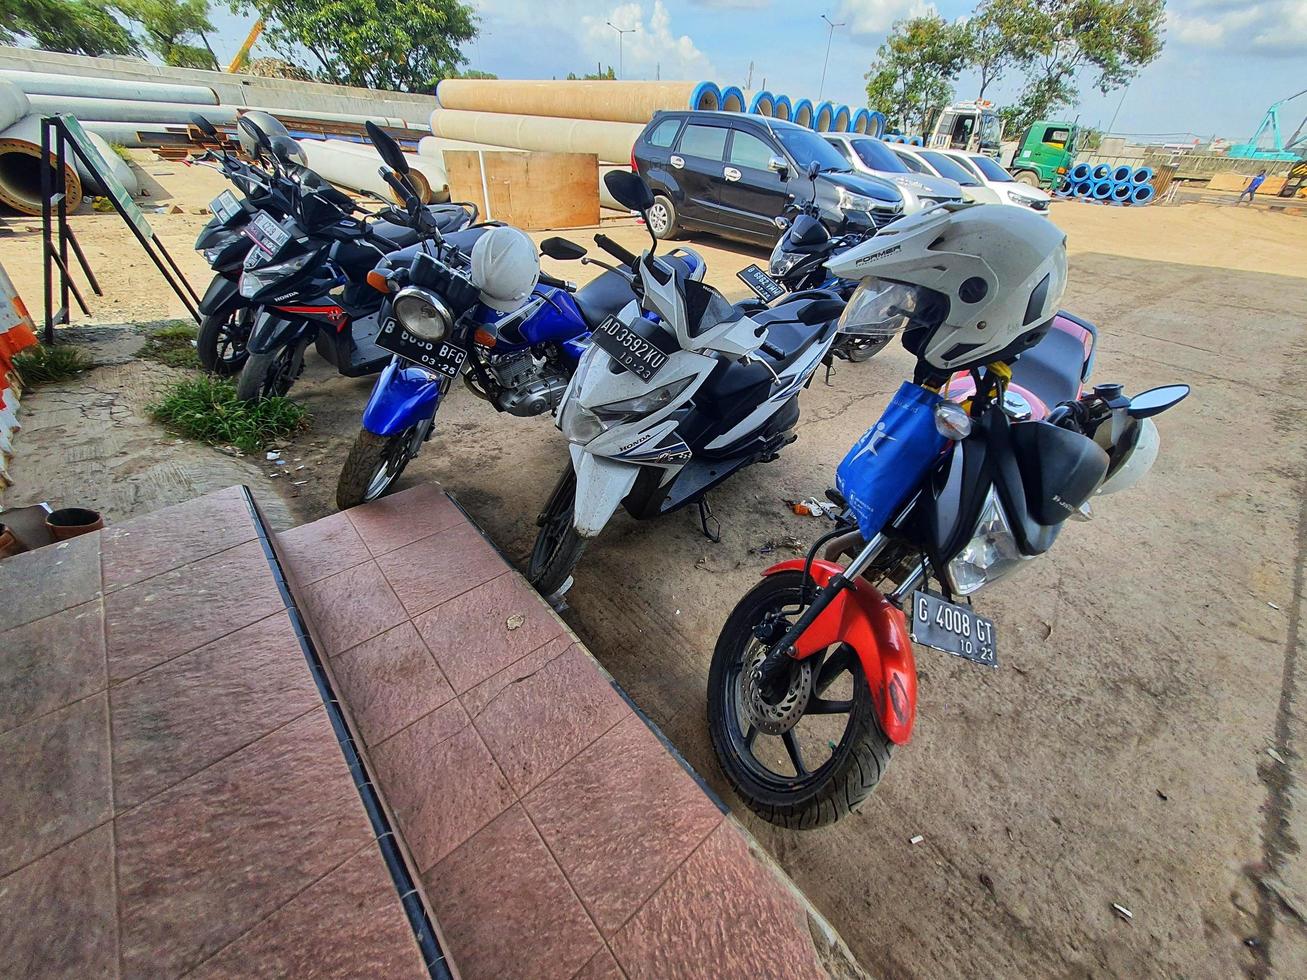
(779, 716)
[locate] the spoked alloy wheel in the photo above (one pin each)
(807, 751)
(375, 462)
(270, 375)
(662, 218)
(221, 341)
(558, 547)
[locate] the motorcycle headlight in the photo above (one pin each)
(988, 556)
(254, 281)
(645, 404)
(422, 313)
(578, 424)
(782, 261)
(879, 308)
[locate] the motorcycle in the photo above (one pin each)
(813, 680)
(676, 393)
(296, 266)
(437, 330)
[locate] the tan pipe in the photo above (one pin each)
(609, 101)
(354, 171)
(611, 142)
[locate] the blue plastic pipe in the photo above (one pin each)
(1102, 190)
(1080, 173)
(1123, 191)
(1101, 172)
(733, 99)
(1143, 193)
(1122, 173)
(706, 96)
(763, 104)
(1143, 175)
(802, 113)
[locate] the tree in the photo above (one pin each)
(403, 45)
(915, 68)
(998, 37)
(74, 26)
(473, 73)
(169, 26)
(599, 75)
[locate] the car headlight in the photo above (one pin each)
(254, 281)
(988, 556)
(422, 313)
(858, 202)
(782, 261)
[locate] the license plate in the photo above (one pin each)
(225, 206)
(434, 355)
(954, 629)
(764, 286)
(640, 356)
(265, 232)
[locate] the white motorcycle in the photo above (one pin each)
(675, 393)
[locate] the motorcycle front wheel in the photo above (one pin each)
(558, 547)
(270, 374)
(807, 752)
(221, 341)
(375, 462)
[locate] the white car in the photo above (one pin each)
(935, 164)
(869, 155)
(1008, 188)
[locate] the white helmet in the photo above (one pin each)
(505, 267)
(1137, 461)
(986, 280)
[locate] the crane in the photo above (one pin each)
(1280, 149)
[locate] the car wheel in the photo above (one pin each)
(662, 218)
(1027, 178)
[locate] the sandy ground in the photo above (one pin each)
(1152, 662)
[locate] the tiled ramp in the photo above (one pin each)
(554, 833)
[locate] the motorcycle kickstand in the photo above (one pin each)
(706, 515)
(829, 361)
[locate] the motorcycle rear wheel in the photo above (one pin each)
(374, 464)
(858, 349)
(807, 798)
(557, 547)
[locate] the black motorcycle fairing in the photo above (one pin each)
(807, 231)
(222, 296)
(272, 330)
(1060, 469)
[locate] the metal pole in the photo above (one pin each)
(830, 36)
(620, 31)
(1120, 103)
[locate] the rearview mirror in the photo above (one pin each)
(205, 127)
(561, 249)
(781, 222)
(259, 136)
(285, 149)
(629, 190)
(1155, 401)
(387, 148)
(814, 169)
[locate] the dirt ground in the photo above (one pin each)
(1143, 742)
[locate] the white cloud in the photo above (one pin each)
(876, 16)
(1271, 26)
(651, 48)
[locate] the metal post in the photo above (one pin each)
(620, 31)
(830, 36)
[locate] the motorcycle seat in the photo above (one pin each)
(1051, 369)
(609, 292)
(399, 236)
(449, 218)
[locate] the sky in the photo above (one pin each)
(1224, 61)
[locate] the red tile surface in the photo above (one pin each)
(403, 518)
(165, 539)
(208, 859)
(480, 697)
(173, 720)
(179, 610)
(348, 924)
(50, 663)
(541, 721)
(506, 909)
(724, 914)
(602, 966)
(486, 629)
(39, 583)
(54, 781)
(439, 567)
(623, 803)
(325, 547)
(441, 783)
(57, 915)
(350, 607)
(389, 681)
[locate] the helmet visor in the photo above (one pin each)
(880, 308)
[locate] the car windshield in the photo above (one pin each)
(950, 169)
(806, 146)
(989, 168)
(878, 156)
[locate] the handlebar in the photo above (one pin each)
(548, 280)
(615, 250)
(772, 350)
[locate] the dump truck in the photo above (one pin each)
(1046, 152)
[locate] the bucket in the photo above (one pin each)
(69, 522)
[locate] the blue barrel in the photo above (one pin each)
(782, 107)
(1079, 173)
(875, 123)
(706, 96)
(803, 113)
(1121, 174)
(1101, 172)
(823, 117)
(763, 104)
(1143, 193)
(1143, 175)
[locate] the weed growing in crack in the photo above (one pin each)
(43, 365)
(173, 345)
(206, 408)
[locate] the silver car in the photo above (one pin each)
(868, 155)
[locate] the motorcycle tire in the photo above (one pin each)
(861, 349)
(557, 547)
(798, 802)
(374, 463)
(220, 343)
(270, 374)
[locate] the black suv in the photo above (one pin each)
(734, 174)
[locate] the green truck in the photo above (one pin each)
(1046, 152)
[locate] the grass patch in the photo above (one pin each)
(173, 345)
(42, 365)
(205, 408)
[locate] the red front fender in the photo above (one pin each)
(878, 632)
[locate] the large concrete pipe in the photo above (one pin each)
(20, 169)
(611, 142)
(13, 105)
(860, 121)
(802, 113)
(432, 171)
(706, 97)
(733, 99)
(823, 117)
(843, 119)
(876, 123)
(48, 83)
(354, 171)
(782, 107)
(29, 130)
(139, 134)
(610, 101)
(763, 104)
(126, 110)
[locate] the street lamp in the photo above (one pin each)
(829, 37)
(620, 32)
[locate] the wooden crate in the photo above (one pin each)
(529, 190)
